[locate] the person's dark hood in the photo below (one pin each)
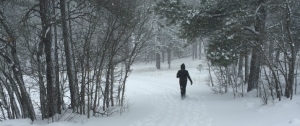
(182, 66)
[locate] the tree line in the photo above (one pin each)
(251, 45)
(69, 50)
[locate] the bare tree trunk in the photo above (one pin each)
(292, 56)
(158, 57)
(296, 83)
(195, 50)
(87, 46)
(97, 90)
(46, 38)
(246, 74)
(276, 81)
(106, 90)
(16, 69)
(83, 84)
(5, 103)
(169, 57)
(69, 57)
(260, 27)
(254, 69)
(41, 80)
(98, 82)
(112, 80)
(278, 88)
(56, 66)
(11, 89)
(73, 57)
(88, 88)
(127, 70)
(29, 112)
(240, 66)
(200, 48)
(210, 75)
(13, 104)
(163, 55)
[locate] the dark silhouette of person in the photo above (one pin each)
(183, 75)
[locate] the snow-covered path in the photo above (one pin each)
(162, 93)
(154, 99)
(169, 109)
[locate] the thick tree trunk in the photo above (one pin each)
(292, 56)
(46, 38)
(260, 27)
(76, 90)
(69, 57)
(254, 69)
(56, 66)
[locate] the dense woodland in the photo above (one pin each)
(60, 55)
(251, 44)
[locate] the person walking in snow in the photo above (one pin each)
(183, 75)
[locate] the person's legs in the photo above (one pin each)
(184, 90)
(181, 90)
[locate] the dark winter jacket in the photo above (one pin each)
(183, 75)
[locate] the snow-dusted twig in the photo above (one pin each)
(252, 30)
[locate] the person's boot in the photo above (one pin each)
(182, 96)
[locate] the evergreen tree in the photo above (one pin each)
(230, 24)
(222, 21)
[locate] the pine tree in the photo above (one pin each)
(227, 23)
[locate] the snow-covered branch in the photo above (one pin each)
(252, 30)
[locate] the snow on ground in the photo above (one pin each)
(155, 100)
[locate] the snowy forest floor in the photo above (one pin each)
(154, 98)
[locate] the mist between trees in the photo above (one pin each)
(73, 57)
(251, 45)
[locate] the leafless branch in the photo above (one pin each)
(251, 30)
